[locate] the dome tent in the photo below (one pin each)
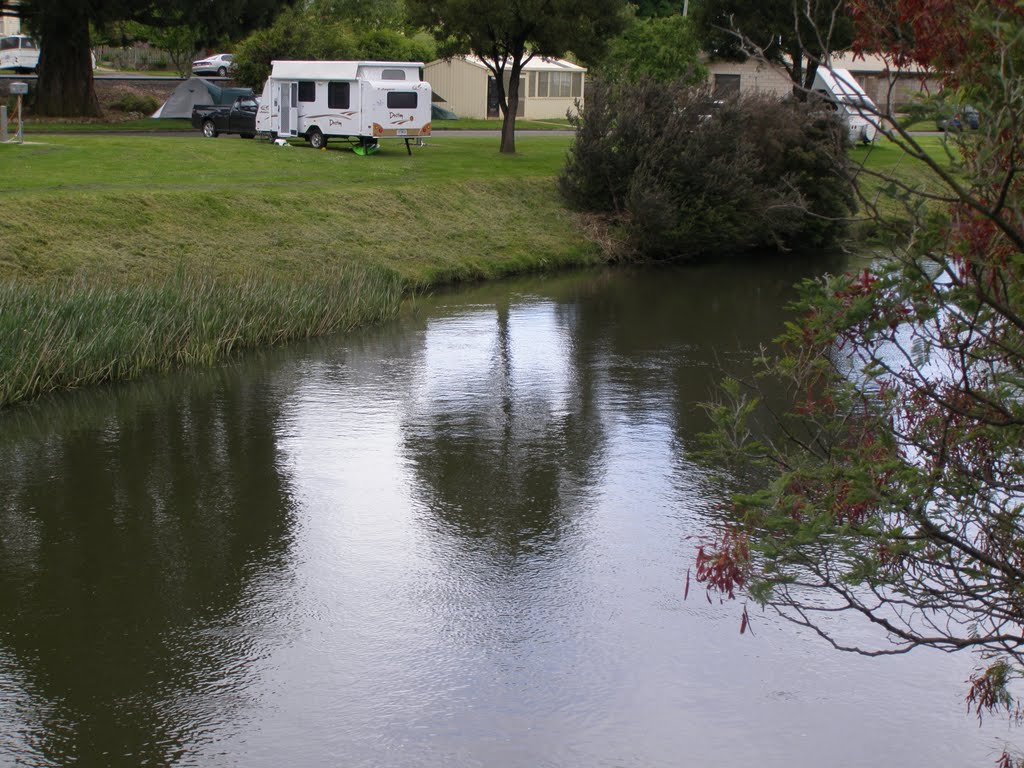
(196, 92)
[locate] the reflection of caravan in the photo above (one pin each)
(19, 53)
(361, 101)
(860, 114)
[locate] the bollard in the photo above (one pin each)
(3, 123)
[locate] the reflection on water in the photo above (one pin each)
(457, 540)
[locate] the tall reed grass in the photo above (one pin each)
(81, 332)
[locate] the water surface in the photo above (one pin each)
(458, 540)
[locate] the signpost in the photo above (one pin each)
(19, 90)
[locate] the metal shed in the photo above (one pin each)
(548, 87)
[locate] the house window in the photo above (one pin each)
(556, 85)
(726, 86)
(393, 74)
(337, 95)
(402, 100)
(561, 84)
(533, 84)
(307, 90)
(577, 84)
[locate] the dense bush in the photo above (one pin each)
(129, 101)
(686, 177)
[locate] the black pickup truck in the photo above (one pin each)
(239, 118)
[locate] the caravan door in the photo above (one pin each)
(289, 109)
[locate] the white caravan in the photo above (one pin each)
(842, 91)
(360, 101)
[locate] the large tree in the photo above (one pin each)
(507, 34)
(796, 34)
(65, 85)
(895, 488)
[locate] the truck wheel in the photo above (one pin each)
(222, 71)
(209, 129)
(316, 138)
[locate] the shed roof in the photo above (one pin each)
(328, 70)
(536, 64)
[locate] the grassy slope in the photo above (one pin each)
(137, 208)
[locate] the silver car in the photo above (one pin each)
(219, 64)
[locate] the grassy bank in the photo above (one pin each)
(126, 255)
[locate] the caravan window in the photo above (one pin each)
(307, 90)
(393, 74)
(402, 100)
(337, 95)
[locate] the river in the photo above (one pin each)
(460, 539)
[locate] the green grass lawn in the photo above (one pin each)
(877, 163)
(146, 124)
(183, 124)
(473, 124)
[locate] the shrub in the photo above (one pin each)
(135, 102)
(685, 177)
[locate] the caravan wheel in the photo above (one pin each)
(316, 138)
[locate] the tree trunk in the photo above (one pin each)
(65, 86)
(796, 72)
(508, 125)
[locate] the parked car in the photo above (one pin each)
(955, 122)
(239, 118)
(219, 64)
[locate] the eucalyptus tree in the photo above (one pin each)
(508, 34)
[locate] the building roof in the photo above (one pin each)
(536, 64)
(328, 70)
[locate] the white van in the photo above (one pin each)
(18, 52)
(360, 101)
(839, 88)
